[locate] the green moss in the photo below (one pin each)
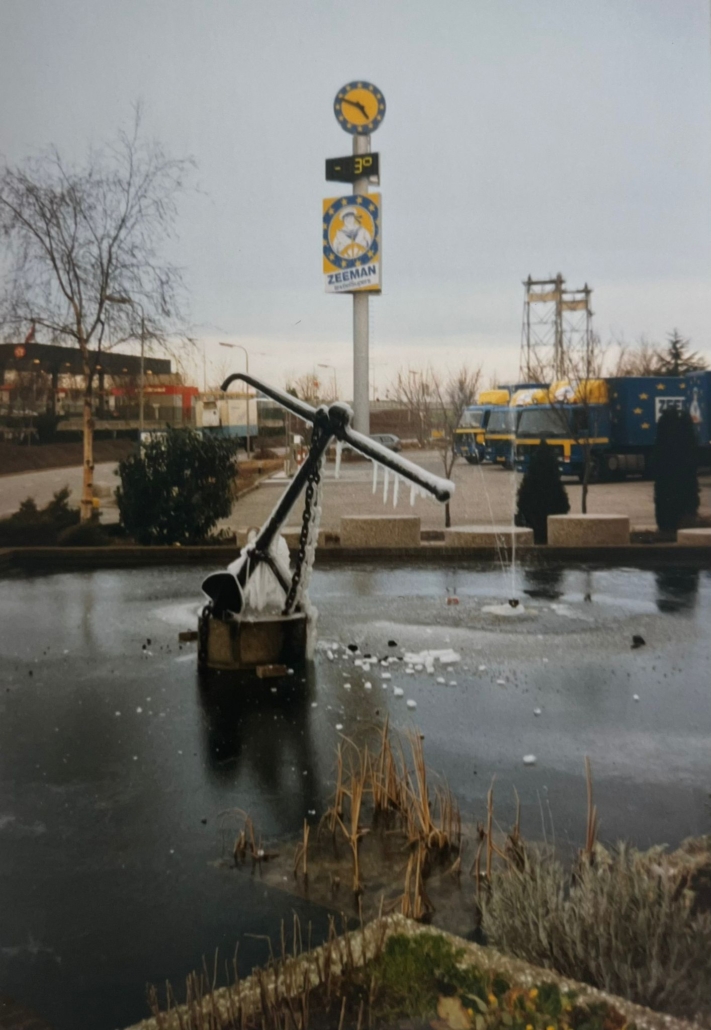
(413, 973)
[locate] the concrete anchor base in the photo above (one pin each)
(248, 642)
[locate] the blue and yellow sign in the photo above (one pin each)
(351, 243)
(359, 108)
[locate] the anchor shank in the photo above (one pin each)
(284, 505)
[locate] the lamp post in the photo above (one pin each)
(115, 298)
(238, 346)
(323, 364)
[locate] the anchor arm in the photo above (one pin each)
(297, 407)
(440, 488)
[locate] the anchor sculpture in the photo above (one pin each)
(228, 637)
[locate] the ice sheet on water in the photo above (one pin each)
(183, 615)
(427, 659)
(505, 610)
(569, 613)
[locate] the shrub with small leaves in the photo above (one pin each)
(177, 488)
(31, 526)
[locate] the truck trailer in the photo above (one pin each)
(616, 418)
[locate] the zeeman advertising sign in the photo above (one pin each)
(351, 244)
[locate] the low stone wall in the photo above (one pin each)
(380, 531)
(588, 530)
(694, 537)
(358, 947)
(488, 536)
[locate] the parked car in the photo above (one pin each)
(387, 440)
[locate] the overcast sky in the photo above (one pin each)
(520, 137)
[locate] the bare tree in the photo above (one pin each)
(413, 389)
(76, 236)
(437, 403)
(637, 360)
(306, 387)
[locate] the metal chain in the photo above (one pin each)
(311, 484)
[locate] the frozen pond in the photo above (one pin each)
(114, 763)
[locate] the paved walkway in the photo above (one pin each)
(484, 494)
(43, 484)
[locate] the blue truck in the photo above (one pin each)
(500, 435)
(499, 439)
(468, 440)
(617, 418)
(470, 435)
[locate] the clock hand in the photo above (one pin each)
(356, 103)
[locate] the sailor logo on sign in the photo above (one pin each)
(351, 243)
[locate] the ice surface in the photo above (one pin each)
(504, 610)
(426, 659)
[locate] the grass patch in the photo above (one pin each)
(622, 923)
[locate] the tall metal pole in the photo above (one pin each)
(361, 326)
(143, 380)
(558, 359)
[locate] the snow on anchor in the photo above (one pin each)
(261, 576)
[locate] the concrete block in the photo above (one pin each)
(249, 642)
(694, 537)
(588, 530)
(487, 536)
(380, 531)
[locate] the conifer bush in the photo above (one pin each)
(31, 526)
(676, 482)
(541, 493)
(177, 487)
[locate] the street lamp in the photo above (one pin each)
(116, 298)
(238, 346)
(323, 364)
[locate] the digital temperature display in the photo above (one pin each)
(355, 166)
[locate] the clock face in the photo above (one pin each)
(359, 108)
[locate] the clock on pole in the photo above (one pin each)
(359, 108)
